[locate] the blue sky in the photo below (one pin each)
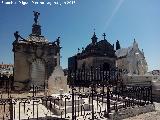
(121, 20)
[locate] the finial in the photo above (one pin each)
(142, 51)
(118, 46)
(78, 50)
(94, 38)
(104, 35)
(94, 30)
(58, 41)
(94, 34)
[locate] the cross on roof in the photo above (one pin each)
(104, 35)
(94, 31)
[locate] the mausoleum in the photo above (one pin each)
(95, 54)
(34, 58)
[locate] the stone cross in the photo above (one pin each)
(104, 35)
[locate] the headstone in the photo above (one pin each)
(57, 81)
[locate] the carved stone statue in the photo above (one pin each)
(17, 36)
(36, 14)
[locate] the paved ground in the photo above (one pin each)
(148, 116)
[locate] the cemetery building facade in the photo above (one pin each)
(34, 58)
(131, 59)
(95, 54)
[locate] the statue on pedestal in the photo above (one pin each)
(36, 14)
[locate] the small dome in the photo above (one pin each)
(101, 48)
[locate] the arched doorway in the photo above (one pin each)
(106, 66)
(38, 73)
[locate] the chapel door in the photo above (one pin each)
(106, 66)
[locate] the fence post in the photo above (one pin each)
(108, 100)
(151, 94)
(92, 102)
(72, 103)
(11, 109)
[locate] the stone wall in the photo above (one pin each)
(132, 111)
(145, 79)
(122, 63)
(128, 79)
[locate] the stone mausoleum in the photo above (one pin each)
(95, 54)
(34, 58)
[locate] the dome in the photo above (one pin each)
(98, 49)
(101, 48)
(105, 45)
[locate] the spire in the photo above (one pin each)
(94, 38)
(135, 44)
(134, 41)
(36, 28)
(118, 45)
(142, 52)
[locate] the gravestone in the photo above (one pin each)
(57, 82)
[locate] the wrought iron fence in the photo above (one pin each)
(86, 77)
(94, 94)
(112, 96)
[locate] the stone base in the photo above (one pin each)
(20, 86)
